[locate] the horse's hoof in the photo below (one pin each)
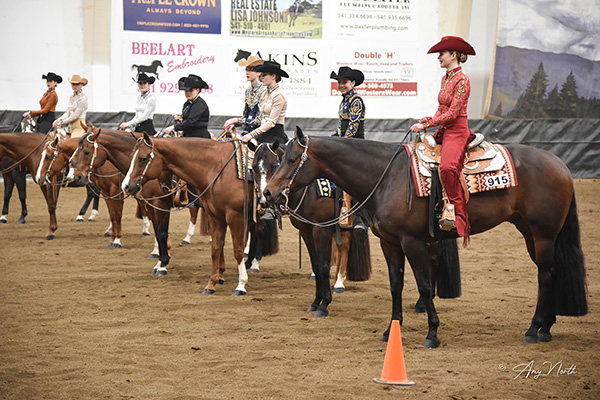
(239, 293)
(117, 246)
(312, 308)
(107, 234)
(221, 281)
(338, 290)
(254, 270)
(208, 291)
(145, 234)
(154, 271)
(110, 245)
(3, 221)
(160, 273)
(21, 221)
(312, 278)
(530, 339)
(50, 237)
(153, 256)
(419, 308)
(321, 313)
(544, 337)
(184, 242)
(431, 343)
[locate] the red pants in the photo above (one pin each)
(455, 138)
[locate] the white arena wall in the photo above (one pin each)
(86, 37)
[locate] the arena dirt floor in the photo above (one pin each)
(79, 320)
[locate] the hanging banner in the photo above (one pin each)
(277, 18)
(191, 16)
(548, 67)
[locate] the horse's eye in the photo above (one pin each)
(86, 153)
(143, 159)
(291, 160)
(47, 158)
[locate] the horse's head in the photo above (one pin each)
(266, 160)
(157, 63)
(145, 165)
(87, 155)
(241, 54)
(56, 155)
(295, 170)
(28, 124)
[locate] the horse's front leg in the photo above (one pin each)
(342, 258)
(323, 252)
(50, 193)
(160, 222)
(394, 256)
(20, 181)
(191, 226)
(238, 239)
(418, 257)
(218, 231)
(9, 184)
(115, 211)
(309, 241)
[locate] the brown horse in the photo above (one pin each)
(27, 148)
(205, 164)
(107, 178)
(13, 176)
(310, 217)
(542, 207)
(115, 146)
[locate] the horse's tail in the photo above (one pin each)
(569, 287)
(446, 269)
(269, 237)
(359, 257)
(134, 66)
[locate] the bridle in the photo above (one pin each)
(286, 190)
(150, 158)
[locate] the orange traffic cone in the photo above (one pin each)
(394, 370)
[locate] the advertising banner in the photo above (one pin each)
(277, 18)
(191, 16)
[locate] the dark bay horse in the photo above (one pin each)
(107, 178)
(14, 175)
(94, 149)
(310, 210)
(542, 207)
(27, 148)
(205, 164)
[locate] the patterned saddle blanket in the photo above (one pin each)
(487, 166)
(325, 188)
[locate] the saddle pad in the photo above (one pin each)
(240, 161)
(503, 178)
(325, 188)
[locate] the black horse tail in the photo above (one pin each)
(204, 229)
(569, 287)
(446, 269)
(269, 237)
(359, 257)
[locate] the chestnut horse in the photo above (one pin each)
(542, 207)
(311, 211)
(27, 149)
(115, 146)
(205, 164)
(107, 178)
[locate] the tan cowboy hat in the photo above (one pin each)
(252, 61)
(77, 79)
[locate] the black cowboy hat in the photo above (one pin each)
(348, 73)
(191, 82)
(51, 76)
(271, 67)
(142, 78)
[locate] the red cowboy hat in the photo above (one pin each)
(453, 43)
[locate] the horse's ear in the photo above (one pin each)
(94, 135)
(84, 126)
(275, 145)
(300, 136)
(251, 146)
(55, 141)
(148, 140)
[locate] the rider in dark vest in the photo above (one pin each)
(351, 120)
(46, 115)
(193, 121)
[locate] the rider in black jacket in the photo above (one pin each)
(194, 117)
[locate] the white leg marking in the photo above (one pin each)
(109, 229)
(155, 251)
(340, 282)
(190, 233)
(243, 277)
(255, 266)
(145, 225)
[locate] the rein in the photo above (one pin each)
(5, 170)
(351, 211)
(190, 202)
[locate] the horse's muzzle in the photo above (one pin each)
(133, 188)
(80, 180)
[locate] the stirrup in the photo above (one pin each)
(447, 223)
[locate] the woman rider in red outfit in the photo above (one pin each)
(453, 132)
